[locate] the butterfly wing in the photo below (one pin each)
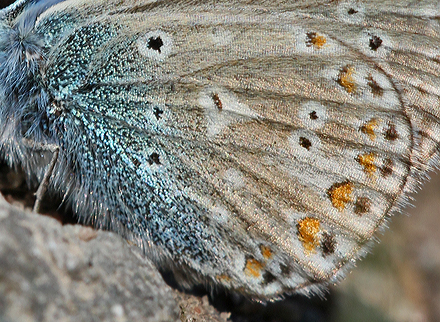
(258, 146)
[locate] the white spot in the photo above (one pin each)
(345, 246)
(239, 260)
(310, 166)
(232, 110)
(153, 165)
(332, 74)
(388, 99)
(234, 178)
(272, 288)
(295, 279)
(301, 43)
(359, 74)
(300, 40)
(221, 37)
(383, 122)
(217, 210)
(314, 259)
(376, 36)
(313, 115)
(156, 45)
(291, 216)
(220, 214)
(304, 143)
(363, 76)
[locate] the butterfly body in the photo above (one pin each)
(259, 146)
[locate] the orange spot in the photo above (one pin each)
(308, 229)
(253, 267)
(340, 194)
(265, 250)
(223, 277)
(346, 79)
(369, 127)
(318, 41)
(367, 161)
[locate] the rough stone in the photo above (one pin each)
(50, 272)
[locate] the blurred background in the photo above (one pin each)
(400, 280)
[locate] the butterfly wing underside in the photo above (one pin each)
(258, 146)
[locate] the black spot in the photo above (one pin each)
(286, 270)
(155, 43)
(217, 101)
(57, 107)
(362, 206)
(268, 277)
(310, 37)
(305, 143)
(313, 115)
(387, 168)
(391, 133)
(375, 42)
(135, 161)
(352, 11)
(375, 88)
(153, 158)
(328, 244)
(157, 113)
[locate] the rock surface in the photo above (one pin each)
(51, 272)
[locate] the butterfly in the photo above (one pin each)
(255, 145)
